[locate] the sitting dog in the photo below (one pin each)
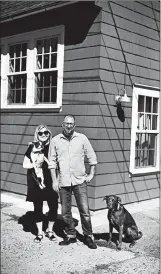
(37, 158)
(120, 219)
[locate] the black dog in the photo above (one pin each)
(120, 219)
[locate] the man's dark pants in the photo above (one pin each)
(80, 193)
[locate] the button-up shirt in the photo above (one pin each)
(69, 155)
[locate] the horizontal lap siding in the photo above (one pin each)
(137, 31)
(93, 74)
(80, 98)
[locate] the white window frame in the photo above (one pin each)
(31, 38)
(151, 92)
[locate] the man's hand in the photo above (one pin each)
(55, 186)
(89, 178)
(91, 174)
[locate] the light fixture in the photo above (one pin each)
(122, 98)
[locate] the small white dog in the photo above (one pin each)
(37, 158)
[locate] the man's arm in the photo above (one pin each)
(91, 174)
(92, 159)
(55, 184)
(52, 165)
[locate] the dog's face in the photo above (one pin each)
(37, 146)
(112, 201)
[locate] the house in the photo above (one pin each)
(83, 58)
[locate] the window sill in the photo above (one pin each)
(143, 171)
(42, 108)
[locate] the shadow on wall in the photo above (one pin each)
(16, 153)
(77, 19)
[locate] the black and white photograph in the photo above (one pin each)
(80, 127)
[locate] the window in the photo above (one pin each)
(144, 156)
(17, 74)
(32, 66)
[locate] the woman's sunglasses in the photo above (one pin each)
(46, 132)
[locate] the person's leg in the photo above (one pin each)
(66, 197)
(52, 216)
(80, 193)
(38, 212)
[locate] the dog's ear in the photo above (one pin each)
(119, 200)
(105, 198)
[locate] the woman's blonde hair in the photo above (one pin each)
(37, 131)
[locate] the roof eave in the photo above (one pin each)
(37, 11)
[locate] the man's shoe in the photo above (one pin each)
(68, 241)
(89, 242)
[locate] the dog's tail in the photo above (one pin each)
(140, 234)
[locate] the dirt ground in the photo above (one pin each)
(21, 255)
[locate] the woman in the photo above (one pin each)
(37, 195)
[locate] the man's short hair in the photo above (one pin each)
(69, 115)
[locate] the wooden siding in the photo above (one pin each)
(94, 72)
(80, 97)
(129, 35)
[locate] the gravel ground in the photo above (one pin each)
(20, 255)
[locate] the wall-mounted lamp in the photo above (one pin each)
(122, 98)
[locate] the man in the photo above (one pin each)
(67, 152)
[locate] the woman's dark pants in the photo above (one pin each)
(52, 202)
(80, 193)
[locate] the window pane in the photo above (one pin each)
(54, 42)
(53, 60)
(39, 46)
(39, 95)
(148, 118)
(154, 122)
(18, 56)
(17, 66)
(148, 104)
(155, 105)
(141, 103)
(23, 64)
(47, 95)
(46, 45)
(145, 149)
(11, 51)
(39, 62)
(47, 53)
(12, 65)
(18, 50)
(140, 121)
(24, 49)
(152, 158)
(17, 89)
(46, 86)
(54, 95)
(46, 61)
